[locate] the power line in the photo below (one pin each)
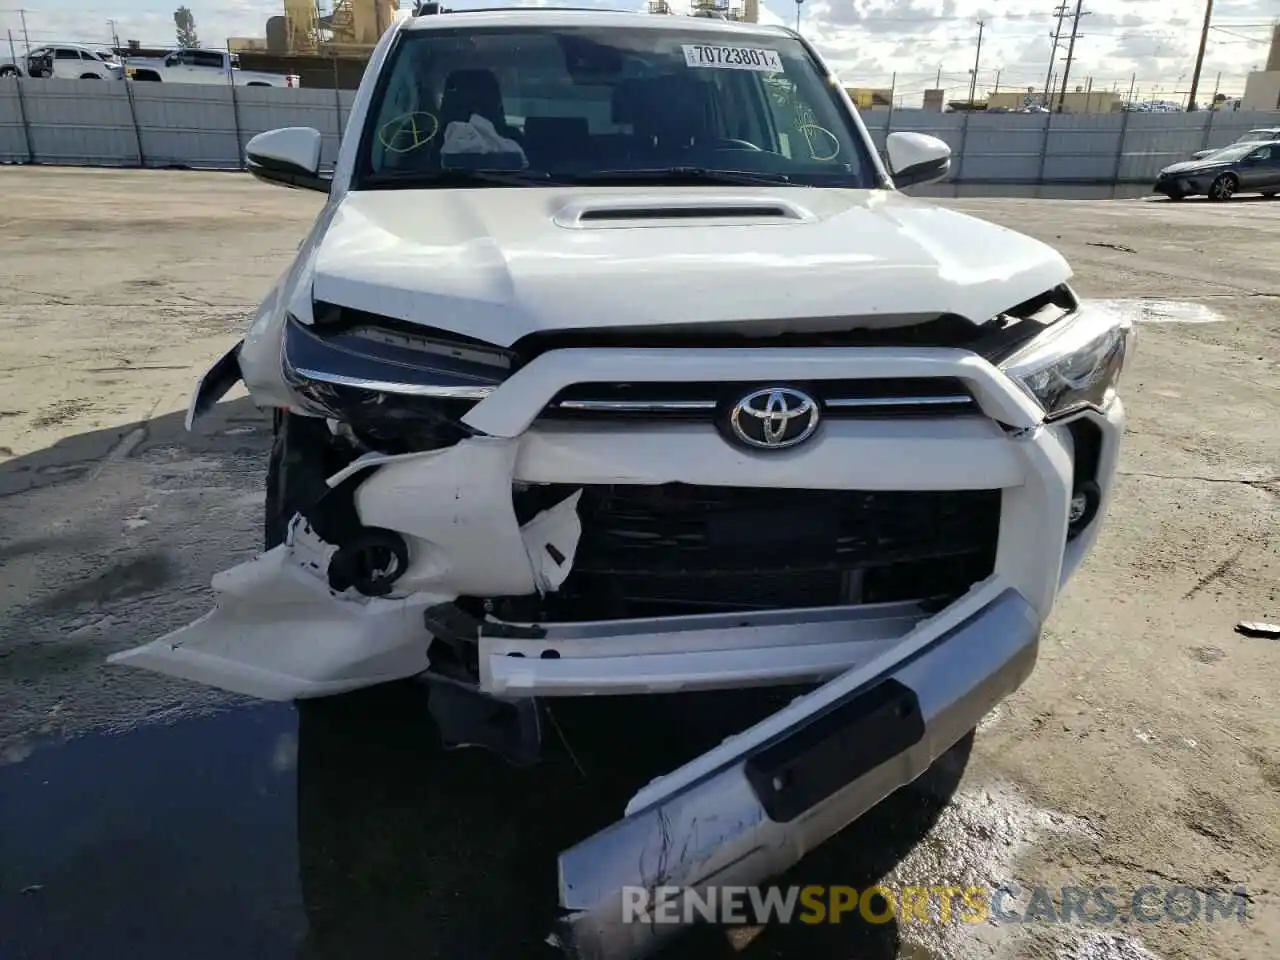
(1243, 38)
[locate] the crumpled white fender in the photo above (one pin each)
(278, 632)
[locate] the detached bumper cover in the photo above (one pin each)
(716, 829)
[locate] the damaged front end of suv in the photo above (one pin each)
(667, 410)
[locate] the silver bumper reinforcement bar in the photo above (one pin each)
(760, 813)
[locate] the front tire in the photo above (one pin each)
(9, 72)
(89, 76)
(1269, 193)
(302, 456)
(1222, 189)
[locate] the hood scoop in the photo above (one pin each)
(666, 211)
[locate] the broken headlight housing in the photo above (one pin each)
(398, 386)
(1075, 363)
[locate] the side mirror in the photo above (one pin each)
(288, 157)
(916, 158)
(171, 60)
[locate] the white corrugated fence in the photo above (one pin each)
(96, 123)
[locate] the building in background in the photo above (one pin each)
(747, 11)
(870, 98)
(1262, 87)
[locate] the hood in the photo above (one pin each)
(1194, 166)
(500, 263)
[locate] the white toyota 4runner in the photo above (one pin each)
(616, 362)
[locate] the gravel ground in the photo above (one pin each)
(1144, 750)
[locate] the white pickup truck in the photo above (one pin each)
(203, 66)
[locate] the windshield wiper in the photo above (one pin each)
(411, 179)
(693, 175)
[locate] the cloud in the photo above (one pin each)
(868, 42)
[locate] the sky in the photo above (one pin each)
(877, 43)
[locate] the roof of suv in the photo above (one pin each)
(562, 17)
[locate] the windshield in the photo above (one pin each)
(1234, 152)
(595, 104)
(1254, 136)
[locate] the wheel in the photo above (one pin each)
(302, 456)
(9, 71)
(89, 76)
(1222, 188)
(1268, 193)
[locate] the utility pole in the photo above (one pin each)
(938, 82)
(798, 3)
(1060, 12)
(977, 58)
(1204, 41)
(26, 40)
(997, 89)
(115, 37)
(1071, 50)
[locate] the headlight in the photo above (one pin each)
(394, 385)
(1075, 363)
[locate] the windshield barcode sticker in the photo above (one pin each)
(732, 58)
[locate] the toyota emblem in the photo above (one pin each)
(774, 418)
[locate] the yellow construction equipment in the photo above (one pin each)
(350, 28)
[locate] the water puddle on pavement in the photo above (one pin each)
(167, 840)
(270, 831)
(1156, 310)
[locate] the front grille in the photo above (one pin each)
(703, 402)
(677, 549)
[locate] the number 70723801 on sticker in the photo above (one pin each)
(732, 58)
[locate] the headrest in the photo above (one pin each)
(472, 91)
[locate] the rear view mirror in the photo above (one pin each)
(916, 158)
(288, 157)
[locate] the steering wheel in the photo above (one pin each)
(408, 132)
(731, 143)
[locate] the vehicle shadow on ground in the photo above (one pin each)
(406, 850)
(126, 524)
(410, 851)
(77, 456)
